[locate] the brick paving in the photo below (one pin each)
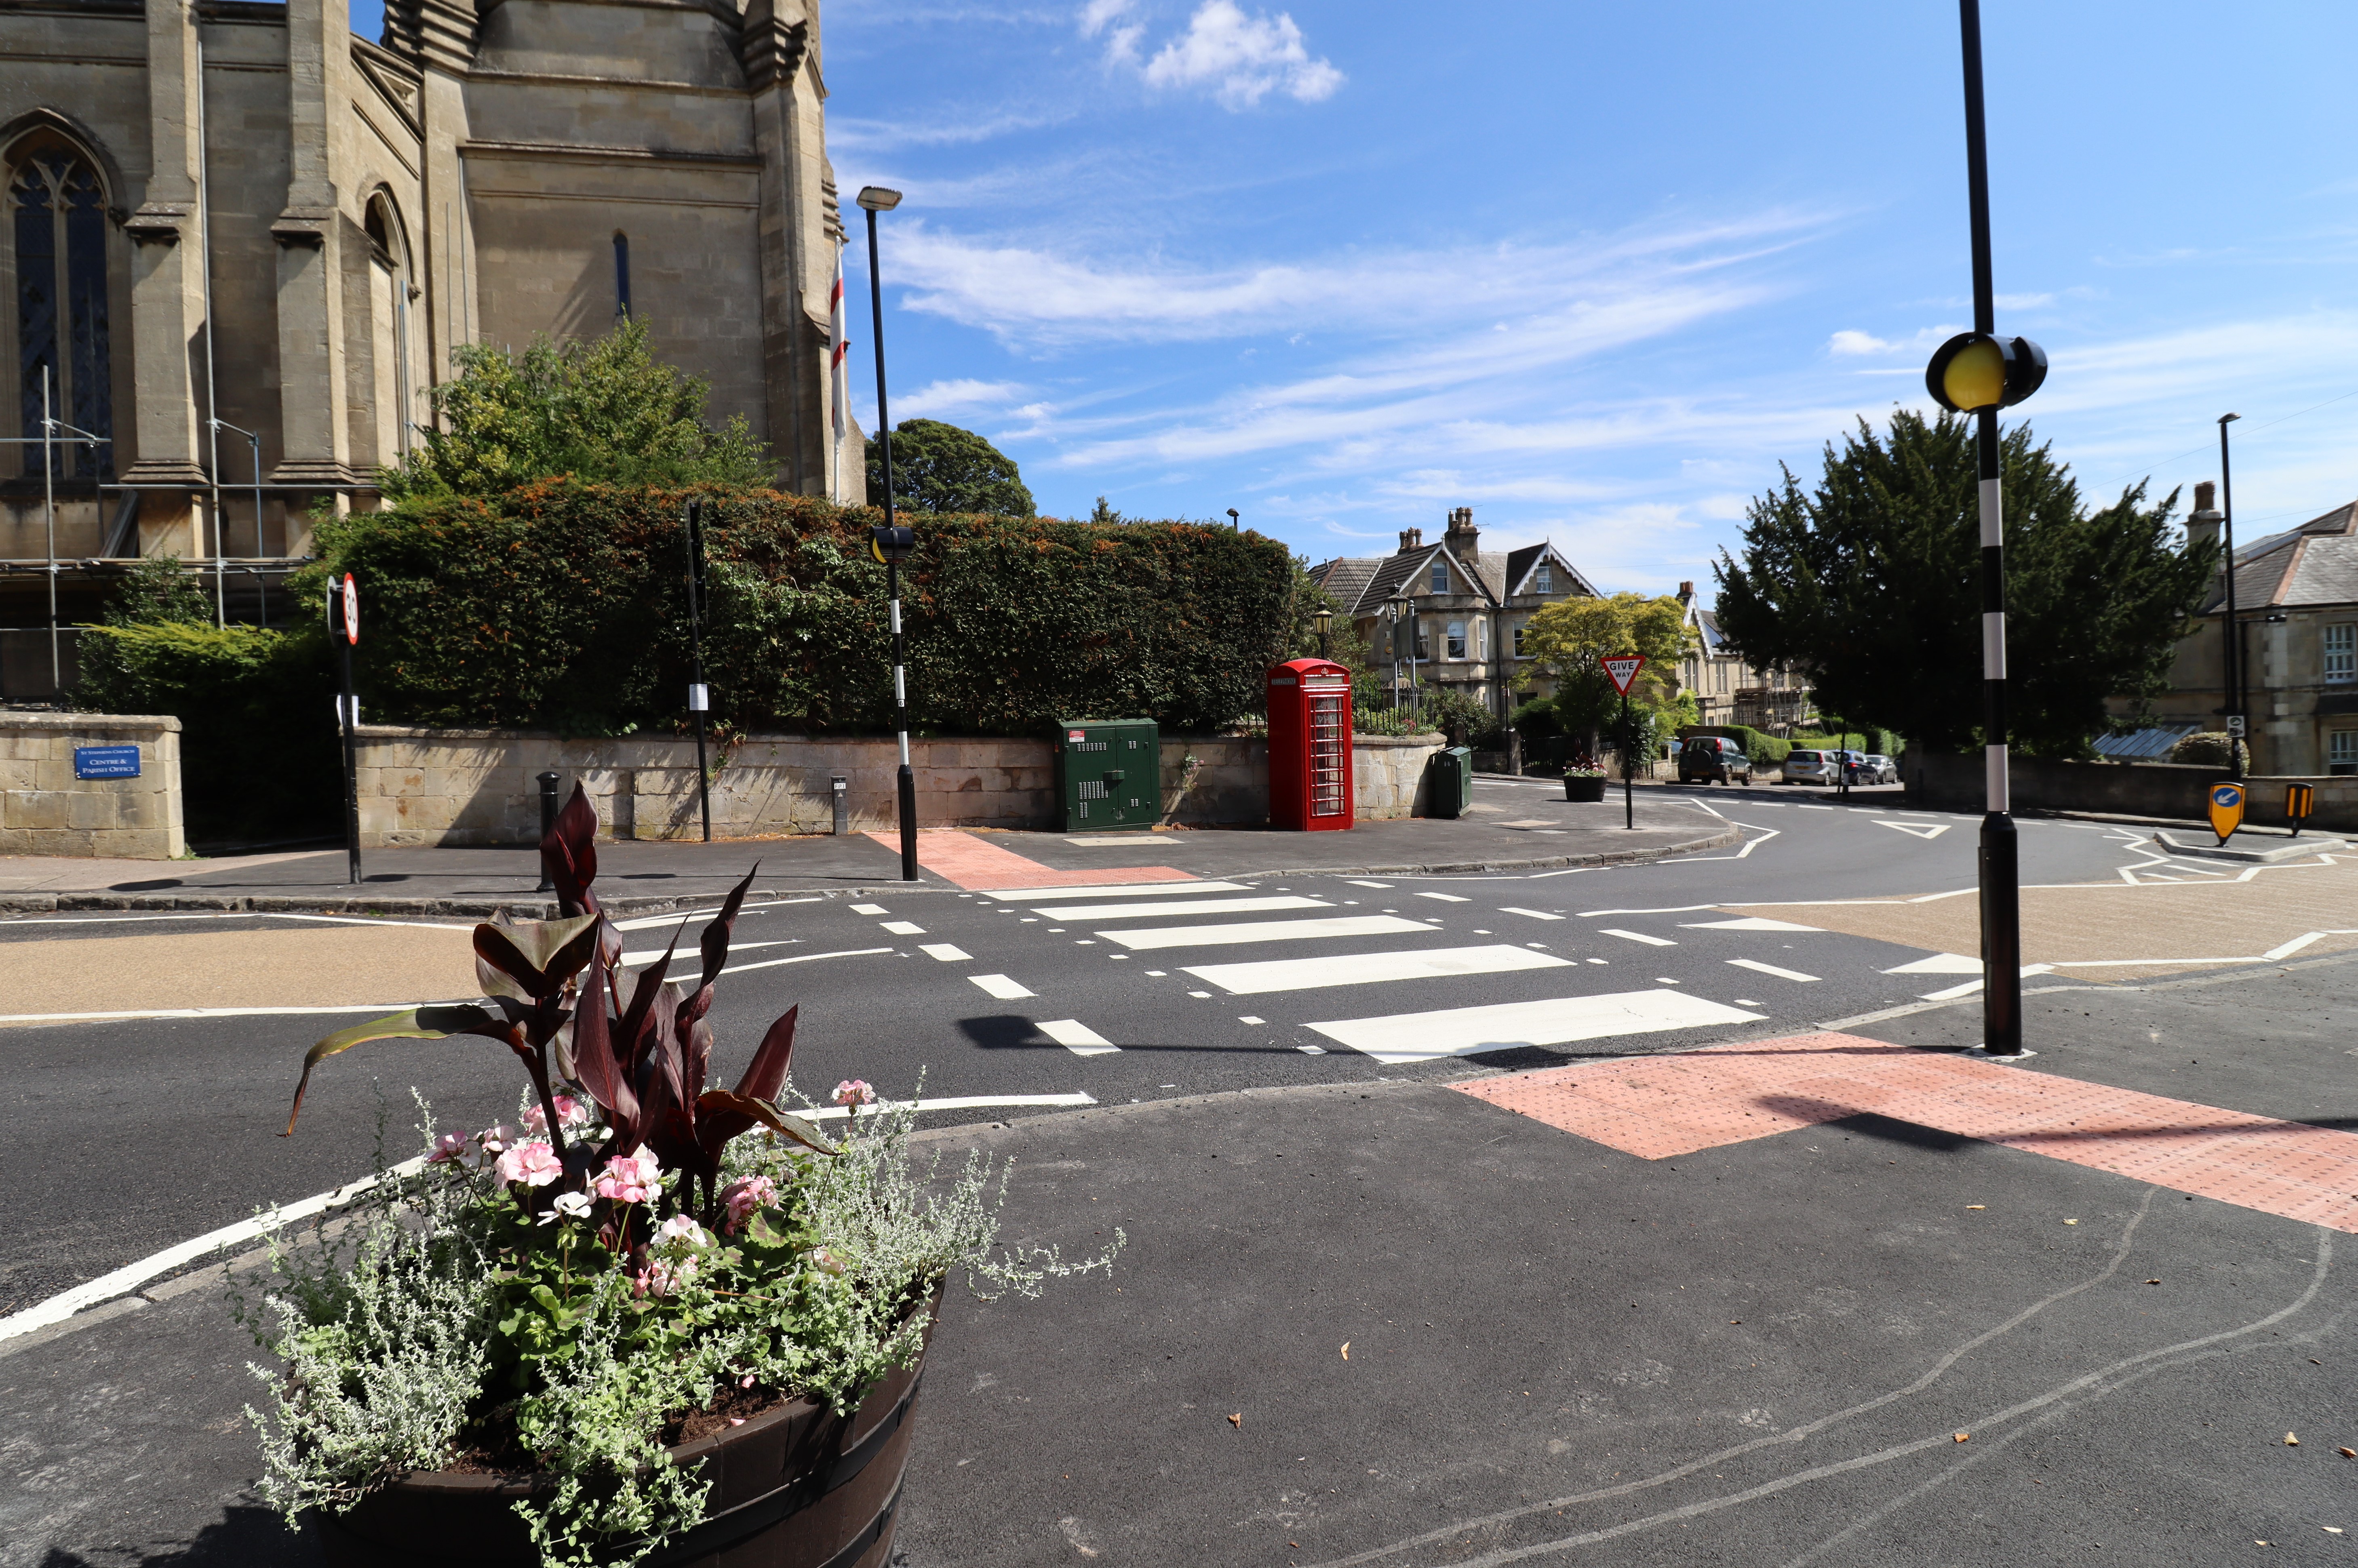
(1661, 1106)
(977, 865)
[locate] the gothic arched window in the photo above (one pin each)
(622, 273)
(57, 225)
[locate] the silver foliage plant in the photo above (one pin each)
(383, 1326)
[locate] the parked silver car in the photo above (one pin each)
(1810, 767)
(1878, 769)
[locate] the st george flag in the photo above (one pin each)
(1622, 669)
(840, 389)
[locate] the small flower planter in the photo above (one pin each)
(797, 1486)
(1578, 786)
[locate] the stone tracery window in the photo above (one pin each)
(57, 233)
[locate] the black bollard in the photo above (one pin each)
(549, 782)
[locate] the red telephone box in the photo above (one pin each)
(1310, 745)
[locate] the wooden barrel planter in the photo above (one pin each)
(797, 1486)
(1578, 786)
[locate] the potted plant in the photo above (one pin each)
(1583, 778)
(655, 1322)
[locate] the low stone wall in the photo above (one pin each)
(1952, 782)
(477, 787)
(47, 811)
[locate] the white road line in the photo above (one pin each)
(1458, 1032)
(1974, 984)
(652, 954)
(1914, 829)
(1759, 967)
(945, 952)
(1250, 1018)
(2298, 942)
(904, 927)
(1113, 890)
(868, 909)
(1369, 968)
(963, 1102)
(1000, 987)
(1635, 937)
(1076, 1037)
(1749, 922)
(1446, 897)
(1358, 883)
(1265, 931)
(379, 1008)
(649, 921)
(1206, 906)
(803, 959)
(1533, 914)
(1939, 964)
(1812, 807)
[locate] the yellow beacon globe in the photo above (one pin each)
(1976, 377)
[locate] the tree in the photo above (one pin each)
(940, 467)
(1569, 641)
(1870, 588)
(605, 410)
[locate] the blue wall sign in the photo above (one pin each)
(107, 762)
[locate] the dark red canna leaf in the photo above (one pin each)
(714, 944)
(540, 956)
(438, 1021)
(594, 1062)
(569, 854)
(721, 1116)
(766, 1072)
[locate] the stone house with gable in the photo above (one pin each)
(1728, 689)
(237, 209)
(1467, 608)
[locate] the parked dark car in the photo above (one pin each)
(1714, 759)
(1879, 770)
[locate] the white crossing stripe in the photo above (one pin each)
(945, 952)
(1358, 883)
(867, 908)
(1756, 966)
(1364, 968)
(1000, 986)
(904, 928)
(1459, 1031)
(1207, 907)
(1914, 828)
(1939, 964)
(1113, 890)
(1076, 1037)
(1534, 913)
(1638, 936)
(1446, 897)
(1749, 922)
(1265, 931)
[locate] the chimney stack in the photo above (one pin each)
(1412, 539)
(1465, 540)
(2203, 527)
(1686, 593)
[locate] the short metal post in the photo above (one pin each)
(549, 782)
(699, 695)
(350, 717)
(841, 788)
(1629, 768)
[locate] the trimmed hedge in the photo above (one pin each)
(561, 605)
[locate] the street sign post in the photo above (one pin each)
(1621, 670)
(2227, 809)
(699, 696)
(344, 628)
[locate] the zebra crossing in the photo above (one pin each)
(1378, 954)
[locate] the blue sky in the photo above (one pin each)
(1593, 269)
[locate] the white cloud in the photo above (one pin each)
(966, 397)
(1238, 59)
(1850, 344)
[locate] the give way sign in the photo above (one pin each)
(1623, 669)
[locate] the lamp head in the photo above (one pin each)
(1322, 620)
(2228, 419)
(877, 199)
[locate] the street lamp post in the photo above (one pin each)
(1322, 620)
(892, 544)
(1233, 521)
(2236, 723)
(1980, 373)
(253, 446)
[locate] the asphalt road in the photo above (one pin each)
(133, 1135)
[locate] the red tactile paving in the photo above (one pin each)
(963, 859)
(1656, 1107)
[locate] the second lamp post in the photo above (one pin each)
(892, 544)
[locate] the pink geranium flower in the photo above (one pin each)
(663, 1277)
(532, 1162)
(631, 1178)
(449, 1147)
(679, 1227)
(494, 1139)
(570, 1113)
(746, 1194)
(854, 1091)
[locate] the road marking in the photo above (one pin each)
(1637, 937)
(1000, 987)
(1459, 1031)
(904, 927)
(963, 1102)
(1913, 829)
(868, 909)
(1249, 1018)
(1446, 897)
(1974, 984)
(1745, 1001)
(1076, 1037)
(1759, 968)
(1368, 969)
(1121, 841)
(1533, 914)
(1114, 890)
(1265, 931)
(1939, 964)
(1208, 906)
(1358, 883)
(1749, 922)
(652, 954)
(1813, 808)
(945, 952)
(803, 959)
(379, 1008)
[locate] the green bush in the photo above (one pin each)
(2205, 749)
(561, 605)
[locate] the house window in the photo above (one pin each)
(1519, 643)
(2341, 651)
(1481, 639)
(1440, 577)
(58, 224)
(622, 274)
(1424, 649)
(1541, 582)
(1457, 639)
(2342, 751)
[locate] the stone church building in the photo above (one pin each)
(242, 211)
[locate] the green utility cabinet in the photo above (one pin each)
(1452, 790)
(1108, 773)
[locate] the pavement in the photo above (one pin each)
(1712, 1264)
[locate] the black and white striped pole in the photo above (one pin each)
(893, 543)
(1978, 373)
